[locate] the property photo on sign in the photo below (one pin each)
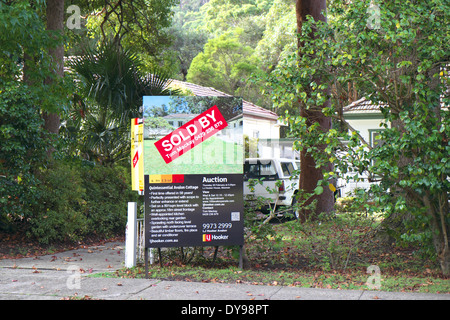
(193, 166)
(190, 135)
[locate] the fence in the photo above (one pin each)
(140, 240)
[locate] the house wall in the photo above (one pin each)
(263, 129)
(365, 126)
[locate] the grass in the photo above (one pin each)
(355, 280)
(330, 253)
(211, 156)
(333, 254)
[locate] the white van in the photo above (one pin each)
(269, 171)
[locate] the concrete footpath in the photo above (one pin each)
(67, 274)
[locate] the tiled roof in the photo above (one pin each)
(362, 106)
(180, 116)
(248, 107)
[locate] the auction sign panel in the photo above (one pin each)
(193, 167)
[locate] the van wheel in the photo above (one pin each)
(295, 211)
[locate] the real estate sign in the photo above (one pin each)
(193, 166)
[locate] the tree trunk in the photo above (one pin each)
(309, 174)
(55, 21)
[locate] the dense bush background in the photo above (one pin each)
(79, 199)
(22, 152)
(58, 198)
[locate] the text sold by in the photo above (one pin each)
(191, 134)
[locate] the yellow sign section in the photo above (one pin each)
(137, 159)
(155, 178)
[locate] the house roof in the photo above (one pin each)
(186, 116)
(248, 107)
(362, 106)
(365, 106)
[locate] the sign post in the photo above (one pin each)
(193, 183)
(131, 236)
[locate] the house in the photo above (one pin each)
(365, 117)
(177, 120)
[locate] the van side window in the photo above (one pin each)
(288, 168)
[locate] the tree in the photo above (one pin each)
(140, 24)
(33, 46)
(399, 61)
(310, 172)
(225, 64)
(219, 16)
(186, 46)
(28, 88)
(109, 95)
(55, 22)
(279, 32)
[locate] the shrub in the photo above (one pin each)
(78, 200)
(22, 150)
(107, 193)
(58, 215)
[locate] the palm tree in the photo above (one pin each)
(111, 86)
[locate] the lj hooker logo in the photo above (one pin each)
(209, 237)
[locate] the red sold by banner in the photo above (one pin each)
(191, 134)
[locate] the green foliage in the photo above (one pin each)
(265, 28)
(64, 200)
(109, 95)
(224, 64)
(133, 24)
(24, 53)
(22, 151)
(57, 214)
(333, 240)
(79, 200)
(257, 224)
(399, 68)
(107, 193)
(279, 35)
(219, 15)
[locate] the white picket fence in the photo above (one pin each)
(140, 240)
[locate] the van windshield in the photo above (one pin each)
(260, 170)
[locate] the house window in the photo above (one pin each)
(171, 123)
(375, 138)
(241, 123)
(180, 123)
